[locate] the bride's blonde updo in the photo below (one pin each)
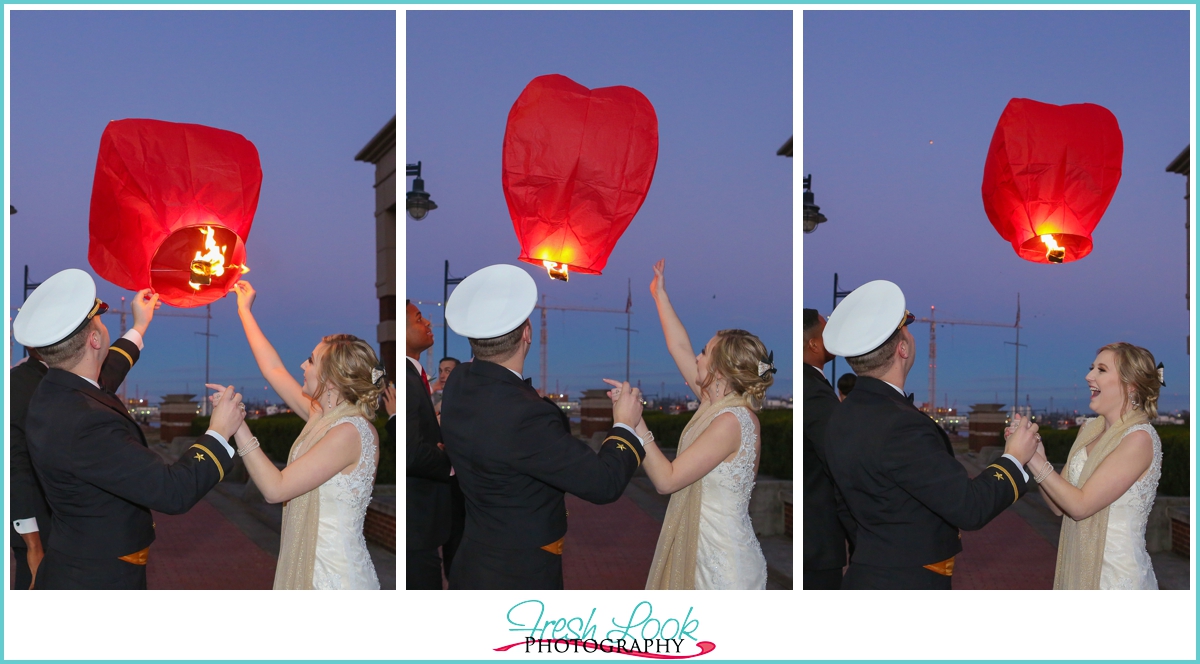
(736, 355)
(346, 364)
(1136, 369)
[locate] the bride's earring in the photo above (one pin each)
(328, 400)
(1134, 402)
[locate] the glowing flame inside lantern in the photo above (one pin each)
(205, 266)
(1054, 253)
(558, 271)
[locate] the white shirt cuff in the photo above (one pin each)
(26, 526)
(221, 439)
(630, 430)
(1018, 465)
(134, 336)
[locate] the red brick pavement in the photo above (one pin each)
(608, 547)
(1007, 554)
(203, 550)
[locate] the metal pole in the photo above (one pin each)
(208, 335)
(446, 283)
(628, 323)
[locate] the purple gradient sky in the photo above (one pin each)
(719, 209)
(880, 85)
(309, 89)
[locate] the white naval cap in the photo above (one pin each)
(865, 319)
(491, 302)
(57, 309)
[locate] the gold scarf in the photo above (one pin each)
(674, 566)
(302, 514)
(1081, 543)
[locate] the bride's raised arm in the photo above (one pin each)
(268, 360)
(678, 344)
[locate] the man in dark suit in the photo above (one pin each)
(512, 450)
(458, 505)
(825, 535)
(100, 479)
(30, 527)
(894, 465)
(427, 520)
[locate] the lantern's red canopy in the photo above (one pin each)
(577, 166)
(157, 186)
(1051, 170)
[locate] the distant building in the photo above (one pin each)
(778, 403)
(381, 151)
(176, 414)
(986, 424)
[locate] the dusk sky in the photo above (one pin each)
(899, 109)
(719, 209)
(308, 88)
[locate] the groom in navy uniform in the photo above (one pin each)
(894, 465)
(99, 477)
(512, 450)
(30, 531)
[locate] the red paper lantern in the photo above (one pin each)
(165, 197)
(577, 166)
(1050, 174)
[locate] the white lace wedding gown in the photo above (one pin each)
(728, 555)
(1126, 563)
(342, 560)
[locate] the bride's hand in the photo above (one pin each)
(220, 389)
(658, 286)
(615, 392)
(245, 295)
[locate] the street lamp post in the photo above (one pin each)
(812, 212)
(447, 282)
(419, 203)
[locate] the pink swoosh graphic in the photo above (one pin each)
(705, 648)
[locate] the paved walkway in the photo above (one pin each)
(203, 550)
(608, 547)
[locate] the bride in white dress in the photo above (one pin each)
(707, 540)
(1111, 478)
(330, 474)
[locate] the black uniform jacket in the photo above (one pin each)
(25, 493)
(897, 472)
(825, 534)
(515, 458)
(427, 522)
(100, 478)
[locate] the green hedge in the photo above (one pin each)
(1176, 464)
(776, 437)
(276, 433)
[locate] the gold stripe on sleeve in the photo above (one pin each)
(214, 458)
(127, 356)
(632, 448)
(1016, 494)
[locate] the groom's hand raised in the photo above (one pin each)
(1023, 441)
(627, 406)
(228, 413)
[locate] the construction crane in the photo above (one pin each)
(542, 340)
(933, 323)
(206, 334)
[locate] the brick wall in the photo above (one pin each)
(1181, 532)
(380, 525)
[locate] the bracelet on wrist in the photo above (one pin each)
(250, 447)
(1045, 472)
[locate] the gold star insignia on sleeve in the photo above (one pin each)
(999, 476)
(199, 457)
(621, 446)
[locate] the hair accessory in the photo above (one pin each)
(376, 374)
(1160, 375)
(767, 366)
